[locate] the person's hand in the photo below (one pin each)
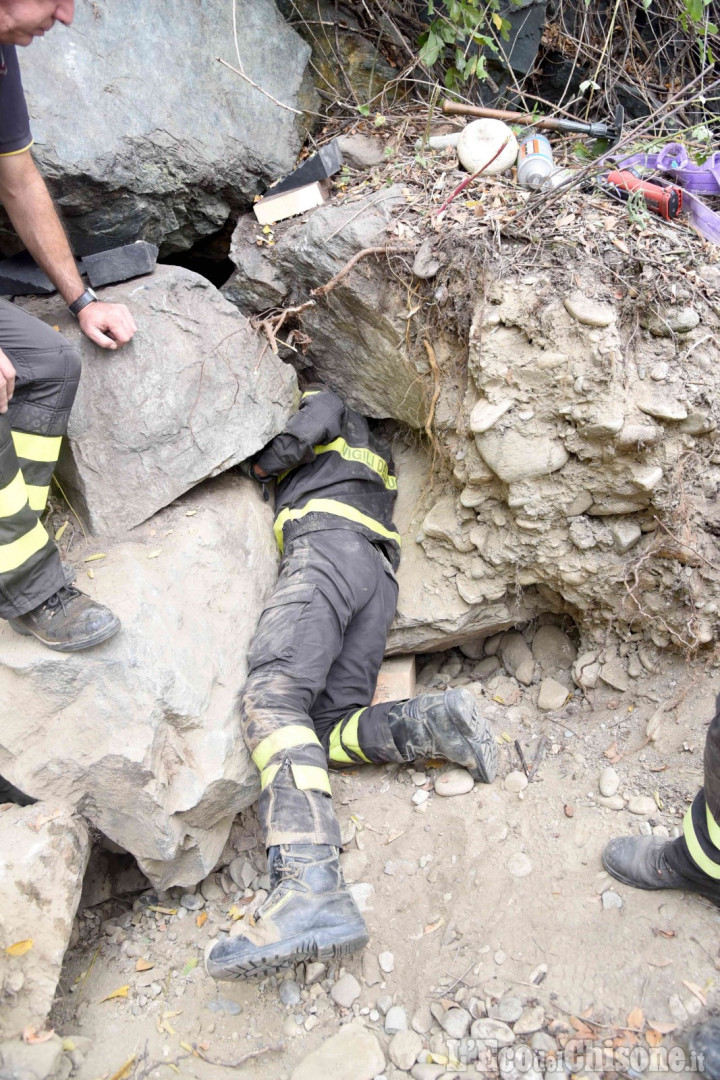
(7, 382)
(108, 325)
(260, 472)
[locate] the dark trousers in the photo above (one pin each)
(701, 831)
(313, 665)
(48, 372)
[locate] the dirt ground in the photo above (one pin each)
(443, 901)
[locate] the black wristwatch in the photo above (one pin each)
(88, 297)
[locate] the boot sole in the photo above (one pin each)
(687, 886)
(471, 730)
(74, 646)
(283, 954)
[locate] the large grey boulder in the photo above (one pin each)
(43, 854)
(359, 329)
(143, 135)
(141, 734)
(195, 392)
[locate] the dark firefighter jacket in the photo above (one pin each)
(332, 473)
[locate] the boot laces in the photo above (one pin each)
(61, 599)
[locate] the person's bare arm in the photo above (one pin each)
(27, 201)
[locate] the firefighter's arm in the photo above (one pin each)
(317, 421)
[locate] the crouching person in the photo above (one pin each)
(313, 666)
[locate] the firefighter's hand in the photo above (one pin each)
(7, 382)
(260, 472)
(108, 325)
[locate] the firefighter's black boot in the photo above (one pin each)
(704, 1043)
(309, 915)
(448, 726)
(68, 621)
(9, 793)
(649, 862)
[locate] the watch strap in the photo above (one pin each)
(88, 297)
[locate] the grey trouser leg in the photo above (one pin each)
(48, 372)
(314, 659)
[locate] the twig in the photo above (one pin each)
(239, 1062)
(255, 86)
(520, 754)
(539, 755)
(322, 290)
(469, 179)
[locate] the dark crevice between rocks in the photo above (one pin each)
(209, 257)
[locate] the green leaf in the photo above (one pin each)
(364, 110)
(190, 966)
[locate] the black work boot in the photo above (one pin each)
(68, 621)
(649, 862)
(309, 915)
(704, 1043)
(9, 793)
(448, 726)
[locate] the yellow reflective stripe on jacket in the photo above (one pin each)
(338, 509)
(310, 393)
(698, 856)
(37, 496)
(19, 551)
(362, 455)
(14, 153)
(713, 830)
(311, 778)
(37, 447)
(268, 775)
(283, 739)
(13, 496)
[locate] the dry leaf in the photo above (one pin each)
(41, 821)
(568, 810)
(31, 1036)
(188, 1048)
(121, 992)
(163, 910)
(201, 919)
(190, 513)
(60, 531)
(95, 558)
(190, 966)
(235, 913)
(659, 932)
(394, 837)
(567, 219)
(636, 1018)
(653, 1037)
(664, 1027)
(154, 554)
(695, 989)
(620, 245)
(433, 926)
(144, 965)
(20, 947)
(124, 1070)
(613, 754)
(658, 800)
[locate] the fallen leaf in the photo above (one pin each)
(433, 926)
(154, 554)
(121, 992)
(563, 221)
(90, 574)
(653, 1037)
(620, 245)
(60, 531)
(163, 910)
(173, 1012)
(658, 800)
(43, 820)
(201, 919)
(190, 513)
(695, 989)
(124, 1070)
(188, 1048)
(568, 810)
(144, 965)
(613, 754)
(660, 963)
(636, 1018)
(166, 1027)
(235, 913)
(31, 1036)
(20, 947)
(394, 837)
(190, 966)
(95, 558)
(505, 737)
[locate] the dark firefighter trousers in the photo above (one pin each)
(47, 375)
(701, 830)
(313, 664)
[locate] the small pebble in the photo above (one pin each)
(421, 796)
(386, 961)
(519, 865)
(611, 900)
(508, 1009)
(456, 1023)
(395, 1020)
(454, 782)
(192, 901)
(289, 992)
(642, 805)
(404, 1049)
(609, 782)
(532, 1020)
(515, 782)
(384, 1003)
(224, 1005)
(499, 957)
(345, 991)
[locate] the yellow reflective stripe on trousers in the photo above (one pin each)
(283, 739)
(19, 551)
(698, 856)
(713, 830)
(344, 738)
(336, 752)
(350, 735)
(37, 447)
(311, 778)
(37, 496)
(13, 496)
(338, 509)
(363, 456)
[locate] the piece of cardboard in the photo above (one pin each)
(396, 679)
(274, 208)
